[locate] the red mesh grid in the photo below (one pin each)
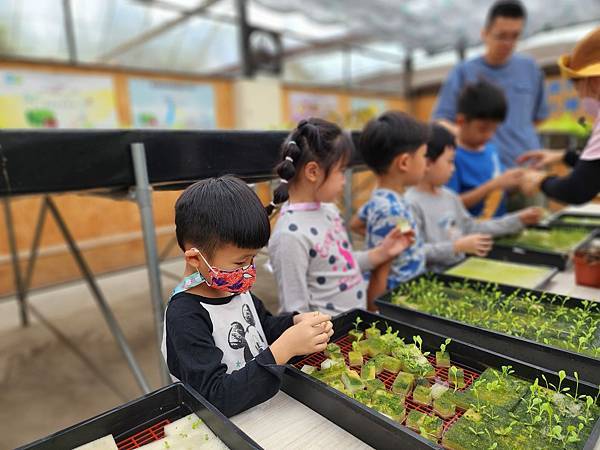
(151, 434)
(388, 378)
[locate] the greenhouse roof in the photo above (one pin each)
(341, 42)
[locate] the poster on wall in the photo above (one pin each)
(34, 99)
(174, 105)
(363, 109)
(304, 105)
(373, 105)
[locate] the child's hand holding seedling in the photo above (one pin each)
(531, 216)
(474, 244)
(510, 179)
(392, 245)
(326, 326)
(309, 335)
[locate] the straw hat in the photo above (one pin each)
(584, 60)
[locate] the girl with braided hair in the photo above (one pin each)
(312, 258)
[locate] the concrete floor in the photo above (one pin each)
(66, 367)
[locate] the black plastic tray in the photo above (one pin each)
(533, 352)
(172, 402)
(556, 223)
(377, 430)
(560, 260)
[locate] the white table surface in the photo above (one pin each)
(285, 423)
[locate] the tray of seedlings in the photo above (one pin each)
(175, 417)
(394, 385)
(541, 245)
(505, 272)
(575, 220)
(547, 330)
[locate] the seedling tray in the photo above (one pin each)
(539, 354)
(523, 254)
(378, 430)
(141, 422)
(575, 220)
(500, 268)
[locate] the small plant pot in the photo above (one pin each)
(587, 269)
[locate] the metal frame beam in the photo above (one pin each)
(136, 41)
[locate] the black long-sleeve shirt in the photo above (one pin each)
(219, 347)
(580, 186)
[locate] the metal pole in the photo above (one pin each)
(244, 41)
(14, 256)
(37, 236)
(408, 77)
(348, 198)
(143, 195)
(99, 296)
(69, 31)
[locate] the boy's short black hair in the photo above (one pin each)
(440, 138)
(219, 211)
(513, 9)
(482, 100)
(389, 135)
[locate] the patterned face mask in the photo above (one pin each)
(235, 281)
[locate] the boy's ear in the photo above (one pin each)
(460, 119)
(312, 171)
(192, 257)
(402, 161)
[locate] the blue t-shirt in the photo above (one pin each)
(381, 214)
(472, 169)
(522, 83)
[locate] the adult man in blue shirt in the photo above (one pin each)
(519, 76)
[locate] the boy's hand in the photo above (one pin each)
(538, 159)
(392, 245)
(510, 179)
(298, 318)
(532, 181)
(474, 244)
(531, 216)
(310, 335)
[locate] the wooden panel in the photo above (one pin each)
(423, 106)
(225, 104)
(398, 104)
(343, 104)
(108, 231)
(52, 268)
(122, 96)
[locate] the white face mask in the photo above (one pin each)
(591, 106)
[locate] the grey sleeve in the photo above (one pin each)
(363, 260)
(507, 224)
(435, 252)
(289, 258)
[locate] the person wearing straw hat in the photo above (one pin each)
(582, 66)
